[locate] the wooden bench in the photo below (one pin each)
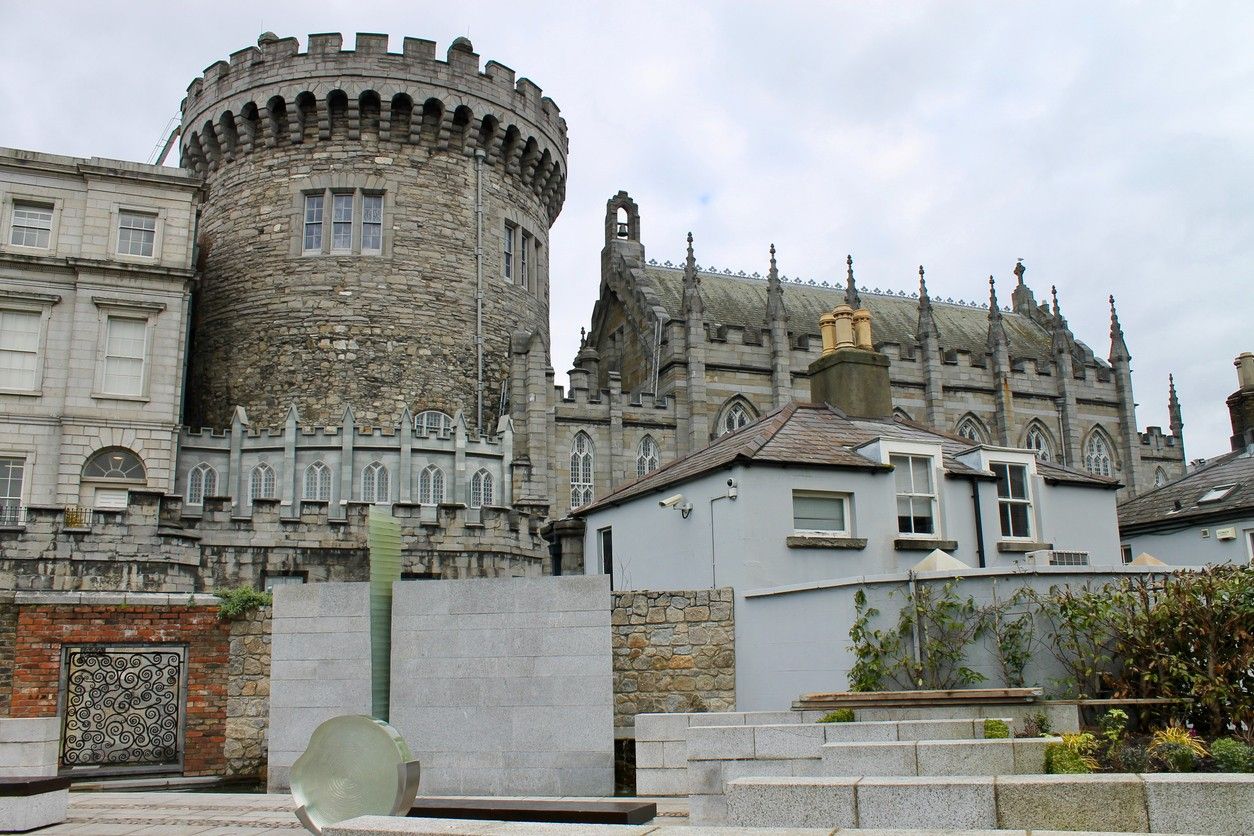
(536, 810)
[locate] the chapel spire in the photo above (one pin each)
(852, 299)
(694, 306)
(930, 355)
(774, 293)
(999, 349)
(1175, 416)
(1118, 347)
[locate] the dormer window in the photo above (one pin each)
(1014, 506)
(916, 494)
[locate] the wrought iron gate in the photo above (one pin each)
(123, 707)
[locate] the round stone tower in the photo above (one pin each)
(375, 226)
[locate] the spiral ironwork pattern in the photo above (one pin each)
(122, 706)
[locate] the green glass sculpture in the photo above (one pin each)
(356, 765)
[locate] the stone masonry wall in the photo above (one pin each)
(673, 651)
(43, 628)
(8, 635)
(248, 696)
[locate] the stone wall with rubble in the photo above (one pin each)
(248, 696)
(8, 636)
(673, 651)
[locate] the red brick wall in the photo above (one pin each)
(43, 629)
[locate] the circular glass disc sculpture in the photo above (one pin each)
(354, 766)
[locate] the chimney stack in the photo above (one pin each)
(1241, 403)
(850, 374)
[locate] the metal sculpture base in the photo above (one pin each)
(354, 766)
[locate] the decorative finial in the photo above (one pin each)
(772, 256)
(690, 256)
(851, 288)
(992, 295)
(583, 337)
(1053, 292)
(1020, 270)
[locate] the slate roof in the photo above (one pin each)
(741, 301)
(1157, 508)
(816, 435)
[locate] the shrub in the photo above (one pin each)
(996, 729)
(1176, 757)
(1061, 760)
(238, 602)
(1083, 745)
(840, 715)
(1131, 758)
(1175, 735)
(1037, 725)
(1232, 755)
(1114, 724)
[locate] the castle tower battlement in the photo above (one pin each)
(375, 226)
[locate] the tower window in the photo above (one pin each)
(375, 484)
(341, 223)
(511, 232)
(1097, 456)
(736, 416)
(313, 223)
(261, 482)
(431, 485)
(356, 220)
(646, 456)
(202, 481)
(372, 223)
(524, 262)
(481, 489)
(1038, 443)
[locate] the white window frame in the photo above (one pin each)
(524, 261)
(481, 489)
(429, 478)
(202, 481)
(1108, 449)
(326, 220)
(648, 456)
(19, 204)
(323, 485)
(509, 243)
(106, 310)
(29, 304)
(737, 410)
(339, 200)
(376, 484)
(11, 505)
(307, 222)
(582, 470)
(846, 509)
(7, 211)
(157, 230)
(367, 221)
(933, 495)
(1044, 453)
(1026, 501)
(262, 482)
(443, 422)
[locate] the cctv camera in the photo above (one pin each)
(731, 483)
(671, 501)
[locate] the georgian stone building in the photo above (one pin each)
(364, 319)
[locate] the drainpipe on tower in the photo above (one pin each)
(479, 155)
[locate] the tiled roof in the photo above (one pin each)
(1159, 506)
(817, 435)
(741, 301)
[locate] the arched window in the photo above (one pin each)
(646, 456)
(431, 485)
(433, 422)
(481, 489)
(1160, 477)
(202, 481)
(114, 463)
(1037, 440)
(735, 416)
(375, 485)
(580, 470)
(970, 428)
(1097, 456)
(261, 482)
(318, 482)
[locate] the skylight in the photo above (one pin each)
(1216, 493)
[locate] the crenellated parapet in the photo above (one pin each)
(273, 95)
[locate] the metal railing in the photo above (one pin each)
(12, 512)
(77, 516)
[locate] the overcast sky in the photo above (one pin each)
(1108, 145)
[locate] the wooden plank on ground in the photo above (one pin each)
(590, 811)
